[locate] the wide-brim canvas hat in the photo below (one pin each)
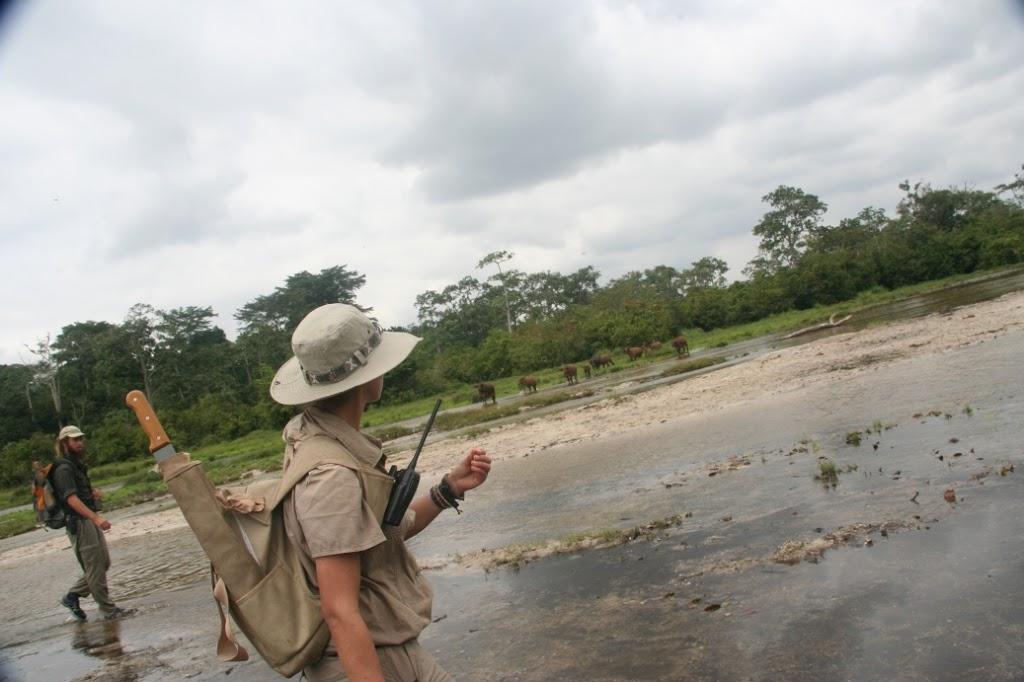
(337, 347)
(70, 431)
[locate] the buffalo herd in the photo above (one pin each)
(528, 384)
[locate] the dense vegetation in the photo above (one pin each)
(209, 389)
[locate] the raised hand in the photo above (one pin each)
(470, 472)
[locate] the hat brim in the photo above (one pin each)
(290, 388)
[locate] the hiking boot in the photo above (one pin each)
(117, 613)
(70, 602)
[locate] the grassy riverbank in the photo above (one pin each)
(135, 481)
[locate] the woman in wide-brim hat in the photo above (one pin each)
(373, 597)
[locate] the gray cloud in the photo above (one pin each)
(512, 97)
(164, 142)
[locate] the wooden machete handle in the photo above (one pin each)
(138, 403)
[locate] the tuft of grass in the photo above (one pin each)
(12, 497)
(968, 410)
(386, 433)
(17, 522)
(458, 420)
(134, 493)
(876, 426)
(692, 365)
(555, 398)
(827, 470)
(853, 438)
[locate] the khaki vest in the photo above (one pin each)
(256, 571)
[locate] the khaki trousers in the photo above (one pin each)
(90, 548)
(407, 662)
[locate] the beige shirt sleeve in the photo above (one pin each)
(334, 518)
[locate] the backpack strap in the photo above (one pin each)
(310, 453)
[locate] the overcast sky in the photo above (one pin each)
(198, 153)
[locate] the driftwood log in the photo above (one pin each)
(832, 322)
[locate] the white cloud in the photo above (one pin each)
(199, 153)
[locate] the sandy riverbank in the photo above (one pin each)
(830, 360)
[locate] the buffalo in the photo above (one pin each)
(570, 373)
(601, 360)
(528, 384)
(634, 352)
(486, 392)
(654, 345)
(587, 370)
(681, 346)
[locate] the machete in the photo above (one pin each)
(159, 444)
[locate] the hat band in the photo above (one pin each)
(342, 371)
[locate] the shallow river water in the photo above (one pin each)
(937, 596)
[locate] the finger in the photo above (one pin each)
(481, 466)
(478, 451)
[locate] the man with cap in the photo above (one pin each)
(84, 525)
(372, 595)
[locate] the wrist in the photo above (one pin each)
(447, 486)
(444, 496)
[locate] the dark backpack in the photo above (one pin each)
(54, 515)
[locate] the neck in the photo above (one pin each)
(352, 410)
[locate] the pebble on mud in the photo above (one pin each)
(949, 496)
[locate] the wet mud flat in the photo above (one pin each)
(711, 595)
(771, 573)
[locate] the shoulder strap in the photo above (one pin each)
(51, 474)
(309, 454)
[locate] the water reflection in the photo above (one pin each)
(103, 641)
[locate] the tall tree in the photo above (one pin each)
(46, 373)
(706, 273)
(190, 355)
(1015, 187)
(266, 322)
(139, 331)
(784, 230)
(287, 305)
(497, 258)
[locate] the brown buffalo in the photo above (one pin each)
(570, 373)
(601, 360)
(654, 345)
(681, 346)
(634, 352)
(587, 369)
(528, 384)
(486, 392)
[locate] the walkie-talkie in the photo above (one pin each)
(406, 480)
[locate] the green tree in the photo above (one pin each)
(784, 230)
(496, 258)
(139, 333)
(706, 273)
(1014, 187)
(47, 373)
